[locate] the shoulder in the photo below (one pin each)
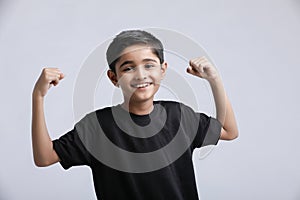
(93, 115)
(104, 109)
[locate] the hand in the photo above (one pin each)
(202, 68)
(48, 77)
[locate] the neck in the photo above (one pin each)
(138, 108)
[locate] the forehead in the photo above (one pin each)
(137, 53)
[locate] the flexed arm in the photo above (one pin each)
(43, 151)
(201, 67)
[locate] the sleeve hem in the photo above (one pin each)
(213, 133)
(58, 152)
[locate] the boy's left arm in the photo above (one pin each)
(202, 68)
(229, 130)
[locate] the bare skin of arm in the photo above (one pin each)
(43, 152)
(202, 68)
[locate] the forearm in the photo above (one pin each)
(230, 129)
(219, 98)
(43, 152)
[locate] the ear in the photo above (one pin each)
(113, 77)
(164, 67)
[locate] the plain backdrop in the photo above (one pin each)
(255, 45)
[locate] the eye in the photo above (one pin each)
(148, 66)
(127, 69)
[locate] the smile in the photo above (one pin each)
(141, 85)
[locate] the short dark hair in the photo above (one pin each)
(132, 37)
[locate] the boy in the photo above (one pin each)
(138, 126)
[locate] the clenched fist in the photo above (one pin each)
(202, 68)
(48, 77)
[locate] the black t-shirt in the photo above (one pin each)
(140, 156)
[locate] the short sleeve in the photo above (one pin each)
(71, 150)
(208, 133)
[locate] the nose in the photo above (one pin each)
(140, 73)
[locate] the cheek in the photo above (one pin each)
(123, 79)
(157, 77)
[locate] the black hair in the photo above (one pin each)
(132, 37)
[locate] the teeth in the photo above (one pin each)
(142, 85)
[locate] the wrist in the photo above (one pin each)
(215, 80)
(36, 96)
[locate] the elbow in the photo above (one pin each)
(229, 135)
(41, 163)
(233, 135)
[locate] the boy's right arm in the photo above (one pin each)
(43, 152)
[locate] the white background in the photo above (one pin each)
(255, 45)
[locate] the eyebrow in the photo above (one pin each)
(131, 62)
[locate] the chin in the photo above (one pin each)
(141, 99)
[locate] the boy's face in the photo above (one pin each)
(138, 73)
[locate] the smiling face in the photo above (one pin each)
(138, 72)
